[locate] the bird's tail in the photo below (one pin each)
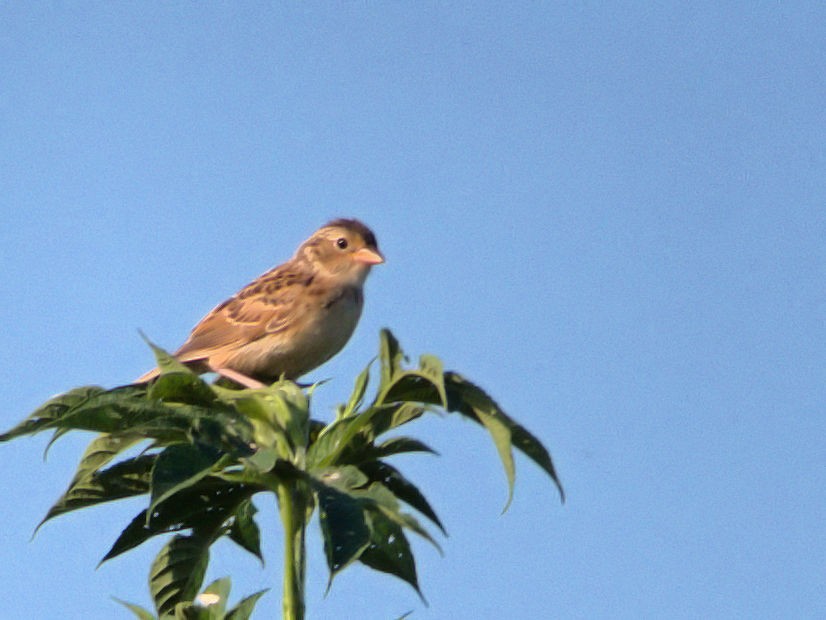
(148, 376)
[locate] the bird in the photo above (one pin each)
(290, 319)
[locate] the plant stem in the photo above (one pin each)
(292, 508)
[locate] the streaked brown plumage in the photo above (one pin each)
(292, 318)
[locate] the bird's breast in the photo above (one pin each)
(322, 330)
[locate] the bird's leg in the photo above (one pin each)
(238, 377)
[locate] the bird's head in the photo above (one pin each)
(344, 249)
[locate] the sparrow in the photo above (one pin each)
(292, 318)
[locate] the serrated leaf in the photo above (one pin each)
(166, 363)
(53, 409)
(279, 412)
(343, 527)
(381, 497)
(327, 442)
(400, 445)
(243, 610)
(337, 439)
(425, 385)
(389, 551)
(204, 507)
(178, 467)
(182, 386)
(415, 386)
(292, 411)
(473, 402)
(127, 409)
(390, 357)
(102, 450)
(178, 571)
(387, 418)
(244, 531)
(111, 412)
(257, 407)
(357, 396)
(125, 479)
(345, 478)
(403, 489)
(227, 431)
(348, 440)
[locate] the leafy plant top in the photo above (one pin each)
(200, 452)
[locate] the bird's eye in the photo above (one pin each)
(341, 243)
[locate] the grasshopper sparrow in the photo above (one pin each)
(292, 318)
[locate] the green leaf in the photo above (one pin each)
(292, 411)
(531, 447)
(99, 452)
(403, 489)
(343, 527)
(244, 530)
(128, 409)
(125, 479)
(219, 588)
(425, 385)
(53, 409)
(165, 362)
(345, 478)
(111, 411)
(474, 403)
(178, 571)
(359, 389)
(501, 435)
(377, 495)
(400, 445)
(182, 386)
(102, 450)
(337, 439)
(140, 612)
(413, 386)
(260, 409)
(57, 434)
(431, 366)
(225, 430)
(389, 551)
(203, 507)
(388, 417)
(192, 611)
(228, 432)
(178, 467)
(263, 460)
(278, 411)
(243, 610)
(390, 357)
(349, 440)
(211, 449)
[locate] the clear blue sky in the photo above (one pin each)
(612, 217)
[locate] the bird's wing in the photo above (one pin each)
(269, 305)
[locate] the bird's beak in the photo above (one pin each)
(368, 257)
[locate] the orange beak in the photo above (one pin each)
(368, 257)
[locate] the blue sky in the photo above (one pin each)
(611, 215)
